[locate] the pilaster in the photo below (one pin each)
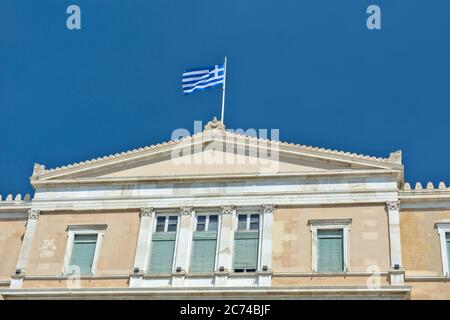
(265, 276)
(147, 219)
(184, 243)
(397, 273)
(226, 238)
(30, 230)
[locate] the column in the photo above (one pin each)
(396, 272)
(17, 278)
(143, 247)
(184, 243)
(265, 269)
(225, 238)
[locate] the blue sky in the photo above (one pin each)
(310, 68)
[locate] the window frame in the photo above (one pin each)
(72, 231)
(207, 221)
(248, 212)
(330, 224)
(248, 221)
(218, 232)
(166, 222)
(166, 225)
(444, 229)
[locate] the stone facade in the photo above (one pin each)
(393, 236)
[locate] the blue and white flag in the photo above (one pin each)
(202, 78)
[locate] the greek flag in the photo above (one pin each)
(202, 78)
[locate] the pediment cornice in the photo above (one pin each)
(213, 131)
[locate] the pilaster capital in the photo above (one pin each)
(393, 205)
(33, 214)
(187, 210)
(268, 208)
(227, 209)
(147, 212)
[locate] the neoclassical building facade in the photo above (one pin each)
(224, 215)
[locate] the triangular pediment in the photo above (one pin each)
(216, 152)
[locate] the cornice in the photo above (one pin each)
(214, 177)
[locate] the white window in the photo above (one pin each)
(246, 243)
(83, 249)
(163, 244)
(248, 222)
(330, 245)
(207, 222)
(444, 237)
(204, 243)
(166, 223)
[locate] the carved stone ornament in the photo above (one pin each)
(38, 169)
(215, 124)
(147, 212)
(268, 208)
(186, 210)
(33, 214)
(227, 209)
(393, 205)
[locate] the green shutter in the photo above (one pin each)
(203, 251)
(246, 250)
(83, 251)
(330, 251)
(163, 247)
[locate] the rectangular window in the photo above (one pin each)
(160, 224)
(83, 252)
(330, 249)
(246, 243)
(83, 249)
(172, 224)
(163, 244)
(201, 223)
(213, 223)
(242, 222)
(254, 222)
(204, 243)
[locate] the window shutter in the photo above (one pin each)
(246, 250)
(83, 251)
(330, 250)
(163, 247)
(203, 251)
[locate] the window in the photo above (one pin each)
(246, 243)
(330, 244)
(444, 235)
(204, 242)
(248, 222)
(163, 244)
(83, 249)
(166, 224)
(330, 250)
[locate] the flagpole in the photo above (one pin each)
(223, 89)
